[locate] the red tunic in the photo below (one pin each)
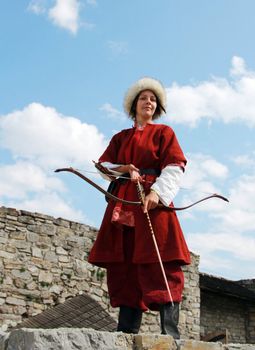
(154, 147)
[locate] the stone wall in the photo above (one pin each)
(87, 339)
(43, 261)
(190, 308)
(219, 312)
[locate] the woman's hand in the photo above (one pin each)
(132, 170)
(150, 201)
(134, 174)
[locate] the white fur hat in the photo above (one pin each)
(142, 84)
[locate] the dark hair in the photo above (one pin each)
(157, 113)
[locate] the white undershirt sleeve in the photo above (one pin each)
(110, 167)
(168, 183)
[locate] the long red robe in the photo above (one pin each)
(154, 147)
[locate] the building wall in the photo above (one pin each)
(219, 312)
(43, 261)
(251, 325)
(249, 283)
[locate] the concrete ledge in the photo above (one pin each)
(89, 339)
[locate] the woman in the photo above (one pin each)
(150, 154)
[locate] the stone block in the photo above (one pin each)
(33, 270)
(199, 345)
(51, 256)
(6, 255)
(56, 289)
(3, 233)
(154, 342)
(32, 285)
(32, 237)
(3, 240)
(44, 242)
(45, 277)
(43, 217)
(10, 265)
(7, 281)
(48, 230)
(34, 228)
(26, 219)
(62, 222)
(36, 252)
(63, 259)
(19, 283)
(24, 275)
(15, 301)
(19, 310)
(68, 339)
(18, 235)
(61, 251)
(10, 249)
(9, 227)
(37, 262)
(21, 245)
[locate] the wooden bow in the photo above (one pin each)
(116, 199)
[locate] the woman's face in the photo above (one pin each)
(146, 106)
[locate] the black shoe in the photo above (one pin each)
(129, 320)
(169, 318)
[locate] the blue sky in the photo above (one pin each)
(65, 66)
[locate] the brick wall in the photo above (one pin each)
(219, 312)
(250, 284)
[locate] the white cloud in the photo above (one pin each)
(227, 243)
(227, 252)
(212, 262)
(241, 246)
(26, 186)
(41, 134)
(16, 180)
(245, 160)
(39, 140)
(213, 168)
(239, 67)
(206, 175)
(37, 6)
(213, 244)
(218, 99)
(201, 171)
(112, 112)
(239, 215)
(65, 14)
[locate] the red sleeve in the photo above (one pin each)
(170, 150)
